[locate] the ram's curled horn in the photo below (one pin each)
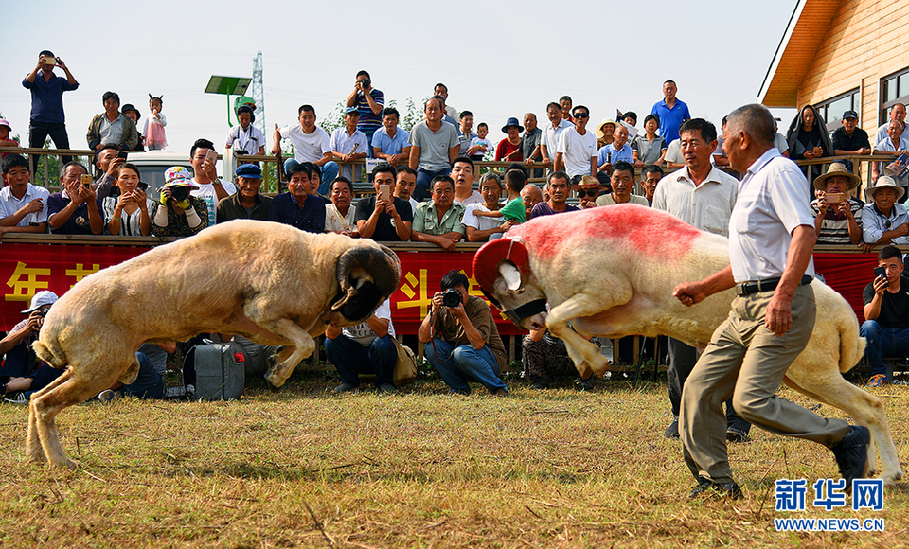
(511, 274)
(363, 264)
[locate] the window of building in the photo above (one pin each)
(832, 109)
(894, 89)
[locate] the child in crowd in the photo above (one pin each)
(480, 139)
(5, 140)
(514, 210)
(155, 138)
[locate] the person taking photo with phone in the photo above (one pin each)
(75, 209)
(46, 117)
(837, 215)
(886, 327)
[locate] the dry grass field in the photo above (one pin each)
(305, 468)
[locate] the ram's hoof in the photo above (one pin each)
(272, 387)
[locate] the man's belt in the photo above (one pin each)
(766, 285)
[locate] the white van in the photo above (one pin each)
(153, 164)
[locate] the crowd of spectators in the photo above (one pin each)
(425, 185)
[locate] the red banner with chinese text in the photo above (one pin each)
(29, 268)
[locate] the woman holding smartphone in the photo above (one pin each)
(128, 213)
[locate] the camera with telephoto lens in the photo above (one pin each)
(451, 298)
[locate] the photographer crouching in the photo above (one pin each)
(22, 371)
(460, 339)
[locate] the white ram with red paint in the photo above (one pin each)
(610, 272)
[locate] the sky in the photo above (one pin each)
(498, 59)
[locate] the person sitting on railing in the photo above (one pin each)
(339, 216)
(348, 144)
(5, 140)
(838, 216)
(129, 213)
(247, 202)
(106, 163)
(439, 221)
(808, 139)
(298, 206)
(850, 139)
(577, 152)
(884, 219)
(179, 214)
(466, 134)
(530, 142)
(404, 186)
(384, 216)
(75, 209)
(390, 142)
(245, 137)
(430, 140)
(23, 206)
(893, 145)
(479, 228)
(111, 127)
(462, 172)
(311, 144)
(480, 144)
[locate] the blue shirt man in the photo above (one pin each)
(296, 207)
(671, 111)
(46, 117)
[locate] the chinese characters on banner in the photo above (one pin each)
(29, 268)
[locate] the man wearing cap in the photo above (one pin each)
(297, 207)
(75, 209)
(850, 139)
(20, 360)
(672, 112)
(897, 112)
(178, 214)
(886, 311)
(247, 202)
(369, 103)
(5, 139)
(245, 137)
(348, 144)
(588, 189)
(884, 219)
(23, 206)
(577, 152)
(552, 132)
(132, 112)
(703, 195)
(771, 238)
(111, 127)
(46, 117)
(837, 215)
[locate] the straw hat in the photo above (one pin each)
(883, 181)
(836, 169)
(603, 123)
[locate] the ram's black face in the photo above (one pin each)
(525, 306)
(366, 276)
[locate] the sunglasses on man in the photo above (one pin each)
(592, 193)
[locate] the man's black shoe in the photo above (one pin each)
(851, 453)
(673, 430)
(583, 384)
(730, 489)
(734, 434)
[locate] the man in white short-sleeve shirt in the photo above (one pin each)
(549, 141)
(311, 144)
(367, 348)
(577, 152)
(771, 237)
